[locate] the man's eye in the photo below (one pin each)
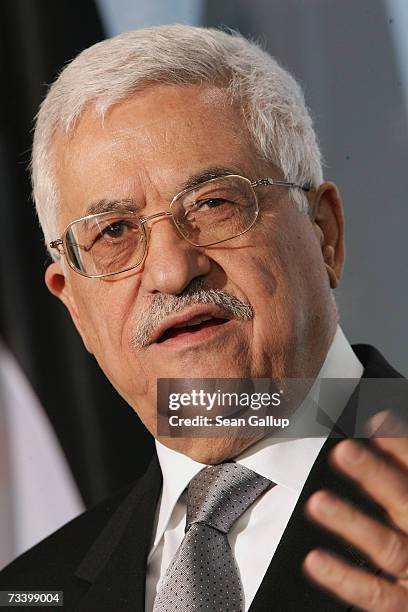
(113, 233)
(115, 230)
(211, 203)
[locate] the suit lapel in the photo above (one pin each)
(116, 563)
(284, 586)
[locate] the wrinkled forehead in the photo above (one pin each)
(152, 142)
(159, 115)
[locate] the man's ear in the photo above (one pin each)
(328, 219)
(59, 285)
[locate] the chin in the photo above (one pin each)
(227, 367)
(223, 361)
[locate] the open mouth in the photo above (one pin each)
(191, 327)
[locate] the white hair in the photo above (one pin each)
(273, 105)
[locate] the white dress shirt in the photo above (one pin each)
(285, 462)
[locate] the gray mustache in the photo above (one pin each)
(162, 305)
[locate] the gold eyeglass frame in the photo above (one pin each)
(60, 243)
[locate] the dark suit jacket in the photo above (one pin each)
(99, 558)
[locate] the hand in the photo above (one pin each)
(382, 472)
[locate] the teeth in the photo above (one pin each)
(195, 321)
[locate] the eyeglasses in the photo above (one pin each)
(216, 210)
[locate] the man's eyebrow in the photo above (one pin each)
(126, 204)
(206, 175)
(105, 205)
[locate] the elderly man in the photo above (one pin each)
(178, 182)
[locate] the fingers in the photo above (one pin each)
(357, 587)
(391, 436)
(396, 447)
(384, 481)
(384, 477)
(384, 546)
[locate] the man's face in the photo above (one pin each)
(146, 150)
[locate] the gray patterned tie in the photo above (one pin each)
(203, 574)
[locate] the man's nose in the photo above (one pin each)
(171, 262)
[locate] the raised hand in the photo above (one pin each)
(381, 470)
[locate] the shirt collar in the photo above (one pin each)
(177, 470)
(286, 462)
